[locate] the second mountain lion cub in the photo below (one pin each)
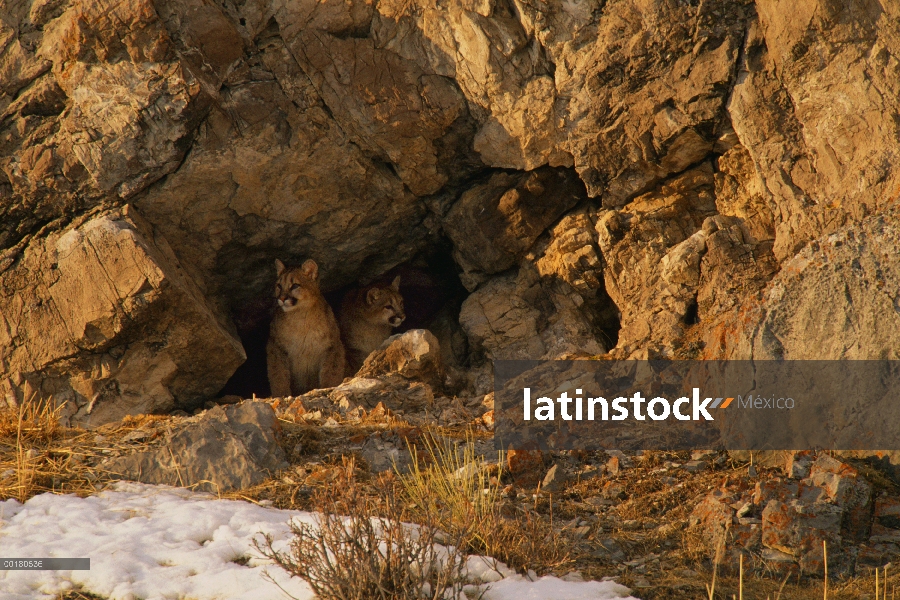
(304, 350)
(367, 317)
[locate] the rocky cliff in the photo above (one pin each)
(639, 177)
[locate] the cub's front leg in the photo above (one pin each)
(279, 370)
(333, 367)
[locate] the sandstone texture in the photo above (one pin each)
(624, 178)
(101, 315)
(838, 298)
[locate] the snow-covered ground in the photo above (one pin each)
(155, 542)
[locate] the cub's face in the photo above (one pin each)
(298, 287)
(386, 304)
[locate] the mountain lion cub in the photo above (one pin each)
(304, 350)
(367, 317)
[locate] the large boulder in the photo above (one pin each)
(226, 448)
(414, 355)
(102, 316)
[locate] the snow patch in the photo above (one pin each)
(156, 542)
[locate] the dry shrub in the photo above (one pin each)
(462, 496)
(362, 556)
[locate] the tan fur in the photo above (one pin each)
(367, 316)
(304, 350)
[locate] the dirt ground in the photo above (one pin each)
(615, 516)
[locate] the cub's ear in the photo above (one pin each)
(372, 296)
(310, 269)
(279, 267)
(395, 285)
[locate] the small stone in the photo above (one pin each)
(137, 435)
(613, 466)
(798, 463)
(641, 583)
(380, 411)
(581, 532)
(523, 461)
(776, 555)
(554, 480)
(612, 491)
(315, 415)
(694, 466)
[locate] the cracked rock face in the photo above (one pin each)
(102, 315)
(641, 178)
(839, 298)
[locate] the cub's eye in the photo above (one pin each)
(296, 286)
(278, 288)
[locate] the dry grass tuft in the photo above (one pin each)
(39, 455)
(462, 496)
(27, 428)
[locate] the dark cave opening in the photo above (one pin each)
(607, 320)
(692, 315)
